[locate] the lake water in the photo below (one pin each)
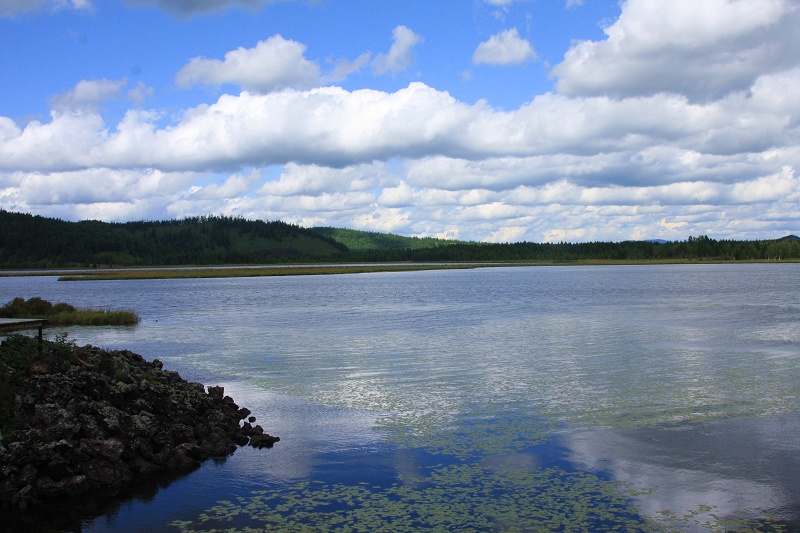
(636, 398)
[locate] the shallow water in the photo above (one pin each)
(642, 397)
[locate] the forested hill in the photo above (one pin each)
(362, 241)
(28, 241)
(700, 248)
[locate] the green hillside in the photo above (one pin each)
(28, 241)
(363, 241)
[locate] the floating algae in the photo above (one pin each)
(475, 496)
(462, 497)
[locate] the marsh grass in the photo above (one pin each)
(234, 272)
(94, 317)
(63, 314)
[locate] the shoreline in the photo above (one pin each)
(310, 269)
(81, 425)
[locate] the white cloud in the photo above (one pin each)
(277, 63)
(343, 68)
(389, 220)
(88, 95)
(508, 234)
(553, 211)
(232, 187)
(399, 57)
(140, 93)
(326, 126)
(587, 139)
(613, 158)
(703, 50)
(505, 48)
(65, 143)
(314, 179)
(100, 194)
(404, 195)
(8, 129)
(273, 64)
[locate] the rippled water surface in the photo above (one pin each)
(641, 398)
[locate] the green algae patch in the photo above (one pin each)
(481, 496)
(462, 497)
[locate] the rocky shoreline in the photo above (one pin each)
(78, 421)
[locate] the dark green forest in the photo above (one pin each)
(700, 248)
(28, 241)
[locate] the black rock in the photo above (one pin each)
(97, 421)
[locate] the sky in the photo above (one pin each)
(484, 120)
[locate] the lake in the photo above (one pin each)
(634, 398)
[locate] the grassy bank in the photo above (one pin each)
(63, 314)
(311, 270)
(238, 272)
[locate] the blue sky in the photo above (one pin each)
(496, 120)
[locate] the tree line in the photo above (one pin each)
(700, 248)
(32, 241)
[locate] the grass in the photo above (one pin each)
(311, 270)
(237, 272)
(222, 271)
(63, 314)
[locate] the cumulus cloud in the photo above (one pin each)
(703, 50)
(628, 139)
(11, 8)
(314, 179)
(399, 57)
(277, 63)
(98, 185)
(97, 193)
(273, 64)
(232, 187)
(608, 157)
(505, 48)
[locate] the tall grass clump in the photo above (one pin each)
(63, 314)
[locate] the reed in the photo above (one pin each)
(63, 314)
(237, 272)
(94, 317)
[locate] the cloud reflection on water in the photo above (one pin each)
(308, 432)
(736, 466)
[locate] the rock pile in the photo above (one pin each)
(82, 420)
